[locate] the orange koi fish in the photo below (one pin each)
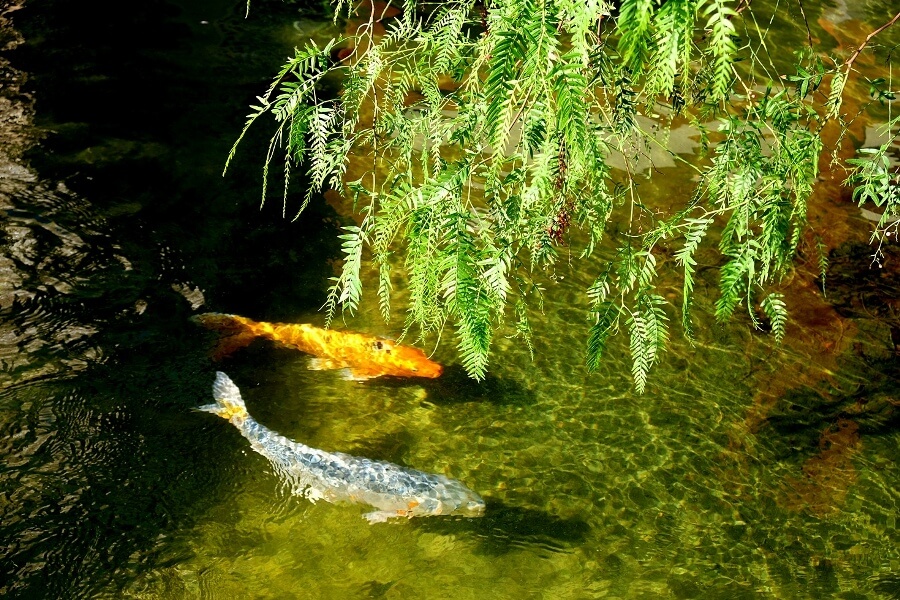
(364, 356)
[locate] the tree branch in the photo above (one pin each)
(869, 37)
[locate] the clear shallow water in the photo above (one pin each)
(735, 475)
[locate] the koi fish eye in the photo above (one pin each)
(378, 345)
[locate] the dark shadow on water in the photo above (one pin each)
(454, 386)
(144, 105)
(504, 528)
(859, 288)
(798, 418)
(889, 585)
(864, 388)
(376, 589)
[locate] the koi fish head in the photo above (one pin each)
(404, 361)
(470, 508)
(468, 503)
(448, 497)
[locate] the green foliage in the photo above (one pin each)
(822, 260)
(774, 308)
(634, 21)
(649, 334)
(671, 55)
(495, 124)
(693, 236)
(347, 288)
(761, 177)
(875, 180)
(607, 317)
(721, 47)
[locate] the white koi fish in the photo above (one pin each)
(336, 477)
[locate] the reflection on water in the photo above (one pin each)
(86, 497)
(747, 470)
(55, 260)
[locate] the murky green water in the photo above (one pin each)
(745, 470)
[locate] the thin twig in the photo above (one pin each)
(806, 22)
(868, 39)
(374, 101)
(849, 64)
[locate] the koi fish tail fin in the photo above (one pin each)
(228, 401)
(235, 330)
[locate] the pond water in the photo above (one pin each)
(746, 470)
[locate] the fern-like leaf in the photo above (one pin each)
(607, 315)
(642, 347)
(721, 45)
(773, 306)
(384, 287)
(347, 287)
(468, 300)
(735, 279)
(685, 257)
(674, 23)
(523, 326)
(635, 17)
(822, 260)
(656, 322)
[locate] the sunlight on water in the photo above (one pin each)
(745, 470)
(591, 491)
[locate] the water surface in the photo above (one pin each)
(745, 470)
